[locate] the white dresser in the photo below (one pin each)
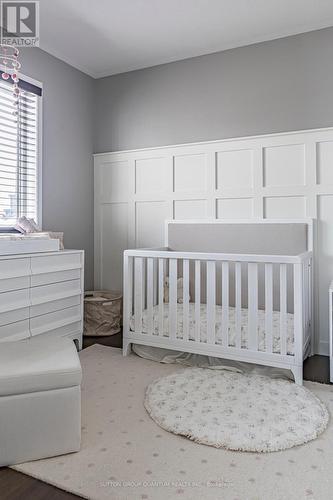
(42, 294)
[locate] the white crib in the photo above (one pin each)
(246, 307)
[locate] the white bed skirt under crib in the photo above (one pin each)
(169, 356)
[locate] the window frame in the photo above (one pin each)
(39, 198)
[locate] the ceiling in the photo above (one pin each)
(106, 37)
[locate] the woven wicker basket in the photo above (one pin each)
(102, 313)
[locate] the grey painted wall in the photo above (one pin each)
(274, 86)
(67, 150)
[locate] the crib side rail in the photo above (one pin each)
(158, 319)
(218, 257)
(306, 282)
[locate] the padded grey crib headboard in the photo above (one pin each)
(266, 238)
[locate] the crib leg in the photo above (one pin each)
(126, 347)
(298, 374)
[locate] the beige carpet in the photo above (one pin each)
(125, 455)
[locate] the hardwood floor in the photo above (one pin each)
(17, 486)
(111, 341)
(317, 369)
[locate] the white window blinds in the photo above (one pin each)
(18, 153)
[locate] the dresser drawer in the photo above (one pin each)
(11, 268)
(74, 330)
(55, 320)
(9, 284)
(56, 277)
(15, 331)
(48, 293)
(55, 305)
(18, 299)
(14, 316)
(52, 263)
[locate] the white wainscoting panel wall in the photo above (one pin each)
(279, 176)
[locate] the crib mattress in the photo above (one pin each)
(218, 326)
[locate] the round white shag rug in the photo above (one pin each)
(236, 411)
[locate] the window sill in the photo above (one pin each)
(8, 229)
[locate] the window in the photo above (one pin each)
(19, 153)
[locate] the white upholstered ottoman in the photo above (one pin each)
(40, 399)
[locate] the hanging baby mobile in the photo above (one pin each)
(11, 65)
